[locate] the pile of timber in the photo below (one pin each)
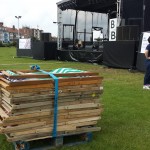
(27, 104)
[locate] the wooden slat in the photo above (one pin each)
(47, 135)
(49, 119)
(38, 124)
(7, 109)
(1, 124)
(22, 127)
(52, 93)
(45, 130)
(3, 114)
(23, 75)
(50, 127)
(46, 108)
(48, 85)
(31, 116)
(22, 90)
(5, 73)
(49, 81)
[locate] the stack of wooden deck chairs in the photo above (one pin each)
(30, 108)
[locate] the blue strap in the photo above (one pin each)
(54, 133)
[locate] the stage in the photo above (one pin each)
(120, 43)
(125, 28)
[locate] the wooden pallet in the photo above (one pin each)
(70, 139)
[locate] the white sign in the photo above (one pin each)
(144, 44)
(24, 43)
(112, 29)
(97, 35)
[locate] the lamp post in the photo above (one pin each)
(57, 22)
(18, 17)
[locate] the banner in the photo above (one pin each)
(144, 44)
(112, 29)
(6, 37)
(24, 43)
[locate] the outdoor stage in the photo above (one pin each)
(123, 51)
(79, 20)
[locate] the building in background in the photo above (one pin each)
(10, 34)
(36, 34)
(2, 31)
(26, 32)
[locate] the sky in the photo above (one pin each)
(41, 14)
(35, 14)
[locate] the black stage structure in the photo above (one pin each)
(133, 20)
(122, 53)
(83, 50)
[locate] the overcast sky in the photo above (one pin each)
(35, 14)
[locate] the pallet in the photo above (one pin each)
(51, 143)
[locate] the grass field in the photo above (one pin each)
(126, 118)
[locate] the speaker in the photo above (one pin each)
(45, 50)
(119, 36)
(146, 16)
(132, 12)
(136, 21)
(127, 33)
(132, 9)
(45, 37)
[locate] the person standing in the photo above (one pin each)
(147, 65)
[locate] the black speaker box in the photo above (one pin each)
(127, 33)
(45, 50)
(132, 9)
(136, 12)
(45, 37)
(146, 16)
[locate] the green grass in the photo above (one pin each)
(125, 121)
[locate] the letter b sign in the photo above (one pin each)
(112, 29)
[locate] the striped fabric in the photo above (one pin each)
(55, 71)
(66, 70)
(11, 73)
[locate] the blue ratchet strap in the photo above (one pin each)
(54, 133)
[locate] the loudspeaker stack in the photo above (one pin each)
(129, 32)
